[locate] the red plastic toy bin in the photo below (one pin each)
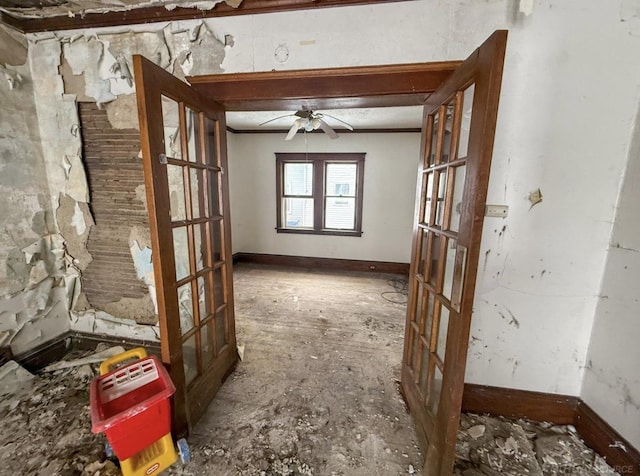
(131, 406)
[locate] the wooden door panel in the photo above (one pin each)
(458, 130)
(184, 157)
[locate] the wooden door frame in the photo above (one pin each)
(151, 85)
(408, 84)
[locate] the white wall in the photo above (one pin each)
(612, 381)
(390, 167)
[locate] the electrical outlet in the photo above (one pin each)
(498, 211)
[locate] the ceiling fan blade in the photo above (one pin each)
(326, 128)
(275, 119)
(304, 114)
(347, 125)
(293, 130)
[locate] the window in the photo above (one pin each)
(319, 193)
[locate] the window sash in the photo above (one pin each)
(321, 162)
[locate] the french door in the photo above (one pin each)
(183, 138)
(457, 142)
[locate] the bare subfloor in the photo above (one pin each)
(315, 394)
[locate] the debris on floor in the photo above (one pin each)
(490, 446)
(315, 394)
(46, 429)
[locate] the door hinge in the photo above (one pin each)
(162, 158)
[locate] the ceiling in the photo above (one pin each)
(405, 117)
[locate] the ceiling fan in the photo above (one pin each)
(310, 121)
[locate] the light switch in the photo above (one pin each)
(499, 211)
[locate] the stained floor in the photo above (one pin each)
(315, 394)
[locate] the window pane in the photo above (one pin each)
(171, 123)
(341, 180)
(340, 213)
(458, 190)
(176, 192)
(465, 128)
(181, 252)
(190, 359)
(436, 389)
(221, 339)
(449, 262)
(204, 298)
(211, 148)
(298, 179)
(298, 212)
(193, 135)
(206, 341)
(197, 193)
(185, 306)
(443, 329)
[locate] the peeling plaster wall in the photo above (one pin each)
(98, 68)
(612, 382)
(567, 104)
(390, 167)
(33, 265)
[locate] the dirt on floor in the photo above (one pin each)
(315, 394)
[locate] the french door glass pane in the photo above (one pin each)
(418, 306)
(298, 179)
(456, 200)
(211, 155)
(176, 192)
(190, 359)
(220, 329)
(200, 245)
(181, 252)
(204, 296)
(298, 212)
(214, 194)
(434, 140)
(422, 267)
(216, 237)
(429, 319)
(449, 263)
(197, 188)
(171, 124)
(435, 257)
(465, 127)
(436, 389)
(340, 213)
(427, 198)
(206, 341)
(424, 370)
(218, 294)
(340, 180)
(415, 352)
(193, 135)
(185, 306)
(446, 140)
(443, 328)
(442, 188)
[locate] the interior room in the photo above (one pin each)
(481, 253)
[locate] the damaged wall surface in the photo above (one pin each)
(33, 265)
(612, 383)
(116, 182)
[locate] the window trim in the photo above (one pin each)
(319, 161)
